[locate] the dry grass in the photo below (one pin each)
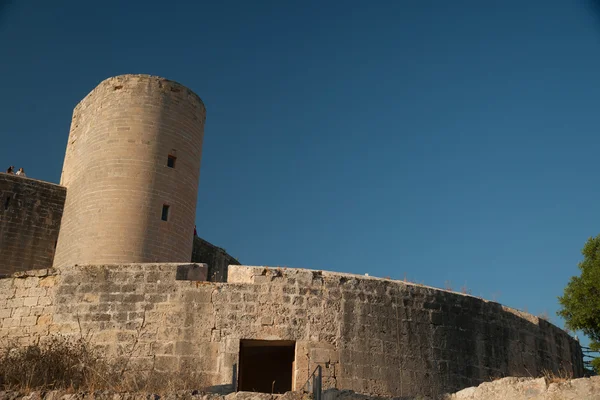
(74, 365)
(562, 376)
(544, 315)
(496, 376)
(59, 364)
(465, 290)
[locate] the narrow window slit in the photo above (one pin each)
(165, 212)
(171, 161)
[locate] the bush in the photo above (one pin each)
(59, 364)
(73, 364)
(580, 303)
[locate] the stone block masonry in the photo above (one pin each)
(370, 335)
(30, 218)
(131, 168)
(217, 259)
(27, 306)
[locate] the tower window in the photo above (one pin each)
(165, 212)
(7, 203)
(171, 161)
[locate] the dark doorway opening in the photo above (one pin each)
(266, 365)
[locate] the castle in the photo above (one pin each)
(111, 251)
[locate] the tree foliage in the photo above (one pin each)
(580, 303)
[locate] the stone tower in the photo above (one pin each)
(131, 170)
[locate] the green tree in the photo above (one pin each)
(580, 303)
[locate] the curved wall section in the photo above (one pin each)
(390, 338)
(131, 168)
(370, 335)
(30, 214)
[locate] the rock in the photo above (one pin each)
(532, 389)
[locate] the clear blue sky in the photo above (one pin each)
(448, 141)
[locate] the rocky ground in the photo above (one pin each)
(179, 395)
(532, 389)
(501, 389)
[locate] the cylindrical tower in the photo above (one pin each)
(131, 170)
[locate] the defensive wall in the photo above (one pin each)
(30, 220)
(30, 215)
(130, 176)
(371, 335)
(215, 257)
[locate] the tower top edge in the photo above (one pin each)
(136, 79)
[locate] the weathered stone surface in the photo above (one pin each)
(30, 216)
(532, 389)
(192, 272)
(118, 177)
(214, 257)
(370, 335)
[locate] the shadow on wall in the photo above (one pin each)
(30, 219)
(451, 340)
(215, 257)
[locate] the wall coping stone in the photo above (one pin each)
(246, 273)
(31, 180)
(39, 273)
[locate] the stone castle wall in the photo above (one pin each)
(30, 215)
(118, 178)
(370, 335)
(215, 257)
